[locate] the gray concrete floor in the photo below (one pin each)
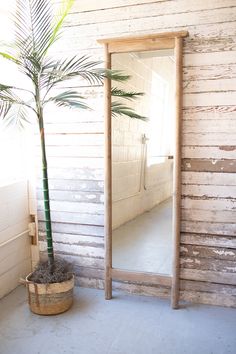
(124, 325)
(145, 243)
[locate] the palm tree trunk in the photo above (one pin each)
(46, 195)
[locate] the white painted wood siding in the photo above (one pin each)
(208, 138)
(15, 254)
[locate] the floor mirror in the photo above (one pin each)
(143, 162)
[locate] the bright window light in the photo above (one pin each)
(13, 143)
(160, 144)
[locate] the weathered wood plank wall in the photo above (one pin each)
(208, 259)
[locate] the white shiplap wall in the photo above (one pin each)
(15, 249)
(208, 138)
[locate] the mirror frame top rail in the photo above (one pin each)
(165, 40)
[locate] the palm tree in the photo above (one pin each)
(35, 33)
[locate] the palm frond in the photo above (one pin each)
(8, 98)
(65, 8)
(18, 118)
(35, 32)
(119, 109)
(56, 72)
(129, 95)
(33, 20)
(5, 106)
(9, 57)
(70, 99)
(115, 75)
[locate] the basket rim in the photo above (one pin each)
(27, 281)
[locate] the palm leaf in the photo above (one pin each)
(129, 95)
(115, 75)
(33, 20)
(66, 6)
(119, 109)
(9, 57)
(70, 99)
(56, 72)
(17, 117)
(8, 98)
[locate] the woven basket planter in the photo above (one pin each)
(50, 299)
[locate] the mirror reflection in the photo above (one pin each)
(142, 165)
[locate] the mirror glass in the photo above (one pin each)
(142, 164)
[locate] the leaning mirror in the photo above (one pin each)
(143, 162)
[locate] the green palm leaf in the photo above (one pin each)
(56, 72)
(66, 6)
(17, 117)
(129, 95)
(70, 99)
(114, 75)
(118, 109)
(9, 57)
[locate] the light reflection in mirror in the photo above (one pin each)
(142, 165)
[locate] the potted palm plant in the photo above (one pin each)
(50, 286)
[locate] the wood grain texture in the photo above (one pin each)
(208, 252)
(141, 277)
(208, 299)
(108, 178)
(210, 276)
(177, 171)
(208, 240)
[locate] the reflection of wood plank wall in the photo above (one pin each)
(209, 144)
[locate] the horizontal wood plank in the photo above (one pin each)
(73, 196)
(139, 289)
(220, 216)
(72, 207)
(141, 277)
(208, 252)
(208, 276)
(209, 165)
(206, 178)
(208, 299)
(211, 126)
(208, 287)
(73, 218)
(90, 12)
(208, 240)
(205, 264)
(209, 152)
(210, 228)
(90, 230)
(210, 112)
(211, 191)
(75, 250)
(205, 203)
(208, 139)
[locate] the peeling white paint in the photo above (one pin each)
(225, 253)
(196, 253)
(183, 249)
(214, 162)
(91, 196)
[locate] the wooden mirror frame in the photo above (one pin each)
(167, 40)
